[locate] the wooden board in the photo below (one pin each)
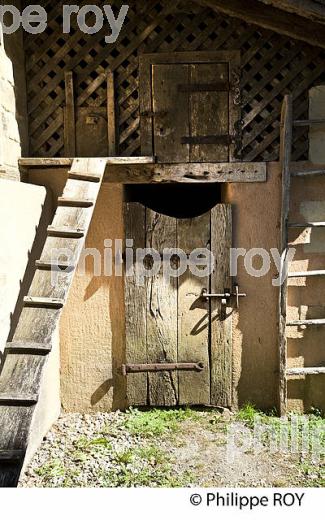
(285, 158)
(135, 308)
(221, 328)
(193, 315)
(69, 117)
(161, 314)
(144, 171)
(209, 112)
(171, 121)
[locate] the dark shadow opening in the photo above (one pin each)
(175, 200)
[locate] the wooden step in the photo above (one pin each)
(18, 399)
(299, 323)
(49, 266)
(11, 455)
(86, 177)
(53, 231)
(45, 303)
(309, 122)
(306, 225)
(305, 371)
(20, 347)
(306, 274)
(75, 203)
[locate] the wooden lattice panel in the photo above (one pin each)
(272, 65)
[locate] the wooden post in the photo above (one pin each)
(285, 158)
(111, 115)
(69, 117)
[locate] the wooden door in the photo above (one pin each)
(169, 322)
(190, 106)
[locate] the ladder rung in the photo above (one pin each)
(306, 173)
(18, 399)
(46, 303)
(305, 274)
(20, 347)
(309, 122)
(11, 455)
(298, 323)
(305, 371)
(65, 232)
(87, 177)
(75, 203)
(49, 266)
(306, 224)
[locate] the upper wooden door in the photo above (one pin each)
(190, 106)
(168, 320)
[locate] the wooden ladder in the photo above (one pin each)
(287, 124)
(26, 355)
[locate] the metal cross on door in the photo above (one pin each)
(178, 329)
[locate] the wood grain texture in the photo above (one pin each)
(285, 159)
(269, 17)
(209, 112)
(193, 315)
(187, 173)
(135, 307)
(221, 327)
(111, 115)
(69, 117)
(171, 121)
(161, 314)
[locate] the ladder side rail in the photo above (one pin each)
(285, 159)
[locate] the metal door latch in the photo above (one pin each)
(226, 296)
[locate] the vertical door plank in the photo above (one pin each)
(161, 314)
(209, 112)
(135, 308)
(145, 89)
(221, 329)
(193, 315)
(171, 120)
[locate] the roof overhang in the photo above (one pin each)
(299, 19)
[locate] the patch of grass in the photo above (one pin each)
(123, 457)
(53, 469)
(155, 423)
(147, 476)
(313, 474)
(152, 454)
(248, 414)
(99, 442)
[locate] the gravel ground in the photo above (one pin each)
(158, 449)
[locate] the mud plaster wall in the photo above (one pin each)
(92, 324)
(256, 211)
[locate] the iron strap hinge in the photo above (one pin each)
(161, 367)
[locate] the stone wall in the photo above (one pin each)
(10, 140)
